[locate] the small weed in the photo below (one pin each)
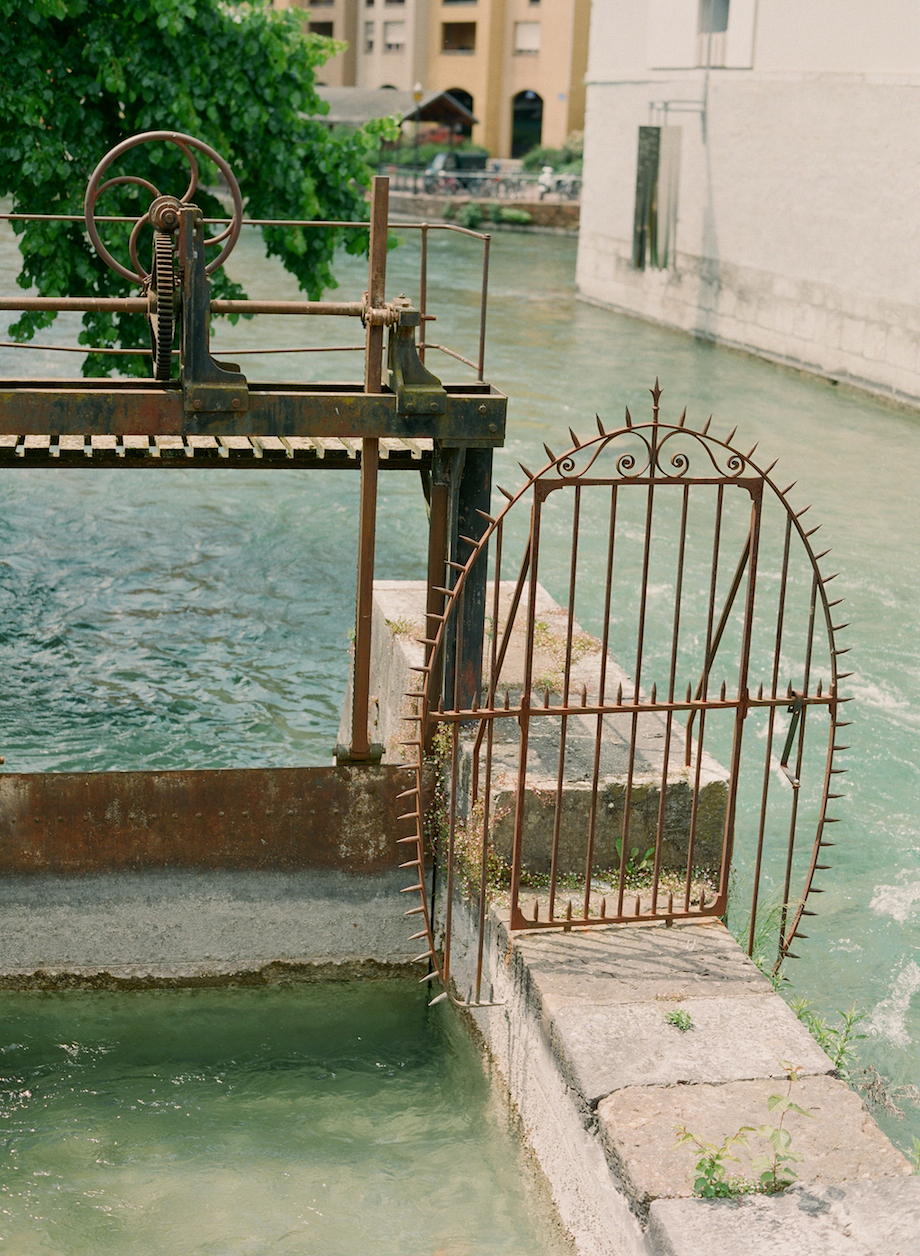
(837, 1041)
(679, 1018)
(402, 627)
(448, 210)
(509, 214)
(913, 1153)
(713, 1180)
(636, 863)
(470, 215)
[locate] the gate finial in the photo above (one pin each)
(656, 393)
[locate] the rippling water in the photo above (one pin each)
(334, 1119)
(202, 618)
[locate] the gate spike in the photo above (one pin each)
(549, 452)
(839, 771)
(529, 474)
(546, 697)
(620, 694)
(689, 692)
(407, 792)
(485, 516)
(411, 863)
(792, 954)
(600, 426)
(470, 540)
(836, 795)
(504, 492)
(813, 531)
(759, 692)
(603, 911)
(843, 676)
(422, 933)
(846, 650)
(800, 935)
(403, 841)
(789, 690)
(805, 912)
(831, 820)
(656, 392)
(799, 513)
(683, 417)
(410, 815)
(840, 627)
(412, 888)
(827, 843)
(702, 897)
(836, 602)
(771, 466)
(819, 688)
(731, 435)
(654, 694)
(843, 723)
(823, 554)
(706, 426)
(788, 489)
(414, 911)
(420, 668)
(425, 640)
(628, 418)
(722, 692)
(413, 695)
(638, 907)
(438, 588)
(828, 579)
(507, 700)
(456, 566)
(575, 441)
(750, 452)
(424, 955)
(823, 867)
(584, 694)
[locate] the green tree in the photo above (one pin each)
(79, 76)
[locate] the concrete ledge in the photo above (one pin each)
(853, 1219)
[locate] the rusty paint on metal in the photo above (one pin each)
(282, 819)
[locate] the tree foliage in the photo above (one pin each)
(79, 76)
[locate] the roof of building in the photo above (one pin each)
(353, 106)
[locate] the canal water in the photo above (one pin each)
(330, 1119)
(202, 618)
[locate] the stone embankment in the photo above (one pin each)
(559, 216)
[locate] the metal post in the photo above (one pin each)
(361, 749)
(463, 661)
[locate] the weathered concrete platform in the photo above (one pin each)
(603, 1083)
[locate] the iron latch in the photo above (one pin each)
(417, 390)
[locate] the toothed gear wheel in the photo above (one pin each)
(162, 323)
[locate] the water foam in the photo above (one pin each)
(889, 1020)
(898, 901)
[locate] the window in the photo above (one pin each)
(321, 28)
(458, 37)
(526, 37)
(394, 36)
(712, 25)
(321, 4)
(368, 36)
(657, 175)
(526, 122)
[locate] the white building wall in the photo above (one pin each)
(798, 235)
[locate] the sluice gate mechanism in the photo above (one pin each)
(208, 414)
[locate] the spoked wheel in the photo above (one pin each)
(161, 318)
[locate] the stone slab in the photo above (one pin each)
(629, 964)
(854, 1219)
(603, 1049)
(840, 1141)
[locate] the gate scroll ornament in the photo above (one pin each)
(576, 793)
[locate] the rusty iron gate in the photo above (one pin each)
(661, 728)
(207, 413)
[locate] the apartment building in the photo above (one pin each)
(751, 176)
(518, 65)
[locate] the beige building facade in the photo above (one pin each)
(518, 65)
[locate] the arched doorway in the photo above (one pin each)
(463, 98)
(526, 122)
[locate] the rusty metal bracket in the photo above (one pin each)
(417, 390)
(795, 710)
(208, 387)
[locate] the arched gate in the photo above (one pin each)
(659, 704)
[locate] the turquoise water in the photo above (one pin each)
(333, 1119)
(202, 618)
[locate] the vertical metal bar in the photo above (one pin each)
(451, 845)
(437, 568)
(741, 710)
(602, 680)
(702, 693)
(793, 818)
(640, 650)
(564, 723)
(493, 670)
(672, 678)
(771, 721)
(486, 244)
(360, 740)
(474, 497)
(518, 839)
(423, 293)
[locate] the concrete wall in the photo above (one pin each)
(796, 236)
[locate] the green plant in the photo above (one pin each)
(712, 1178)
(913, 1153)
(507, 213)
(635, 862)
(679, 1018)
(837, 1041)
(402, 627)
(774, 1168)
(448, 211)
(565, 160)
(82, 75)
(470, 215)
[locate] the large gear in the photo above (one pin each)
(161, 318)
